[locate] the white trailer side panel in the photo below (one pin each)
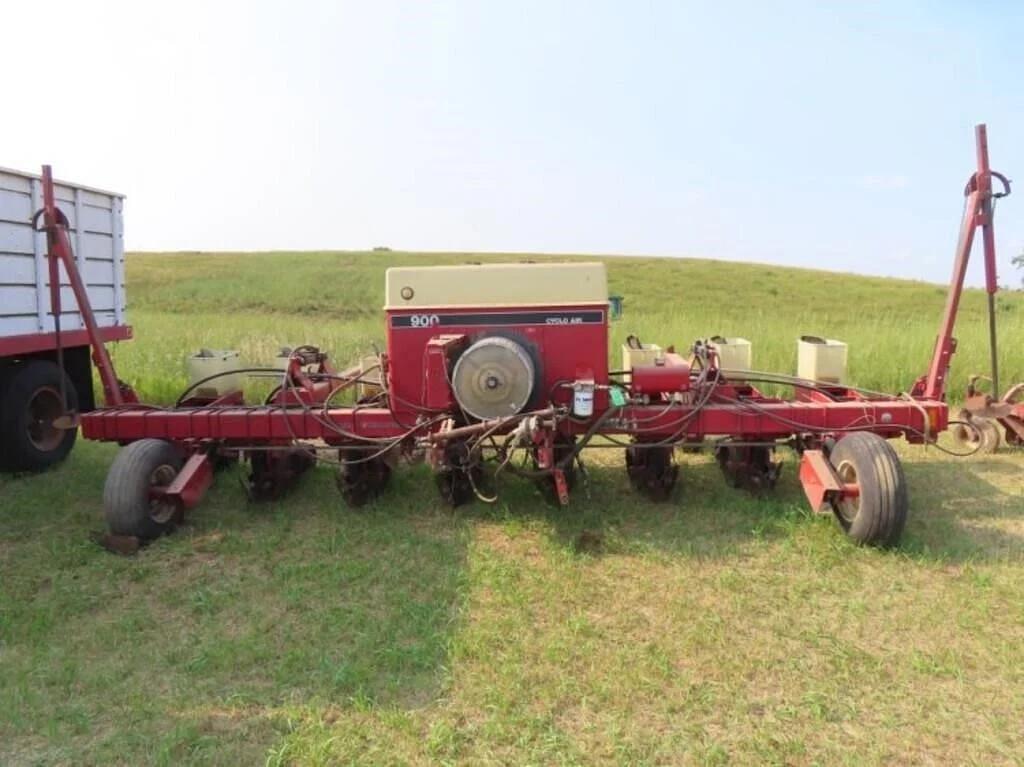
(97, 238)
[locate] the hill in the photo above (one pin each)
(258, 302)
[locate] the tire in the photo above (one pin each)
(983, 438)
(878, 515)
(126, 502)
(29, 403)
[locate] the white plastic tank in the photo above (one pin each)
(733, 353)
(371, 379)
(821, 359)
(636, 353)
(211, 362)
(583, 399)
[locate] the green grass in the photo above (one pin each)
(716, 629)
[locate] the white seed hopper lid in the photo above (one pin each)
(475, 285)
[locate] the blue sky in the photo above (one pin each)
(834, 135)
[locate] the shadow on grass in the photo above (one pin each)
(962, 511)
(956, 514)
(703, 518)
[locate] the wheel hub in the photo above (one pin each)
(847, 508)
(44, 409)
(162, 511)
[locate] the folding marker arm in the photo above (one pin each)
(58, 246)
(978, 212)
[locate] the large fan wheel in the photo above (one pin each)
(494, 378)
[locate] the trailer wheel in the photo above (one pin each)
(983, 438)
(878, 514)
(29, 405)
(137, 469)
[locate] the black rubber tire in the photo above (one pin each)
(879, 514)
(126, 502)
(24, 384)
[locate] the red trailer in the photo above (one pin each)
(43, 373)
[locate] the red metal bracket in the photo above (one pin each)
(818, 478)
(438, 355)
(561, 486)
(191, 483)
(544, 439)
(821, 484)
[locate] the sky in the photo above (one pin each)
(830, 135)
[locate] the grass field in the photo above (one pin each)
(716, 629)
